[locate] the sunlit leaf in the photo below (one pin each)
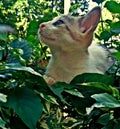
(113, 6)
(116, 55)
(16, 66)
(74, 7)
(3, 98)
(105, 100)
(74, 92)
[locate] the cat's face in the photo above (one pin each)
(68, 31)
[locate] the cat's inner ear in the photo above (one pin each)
(90, 21)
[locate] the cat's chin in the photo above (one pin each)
(45, 38)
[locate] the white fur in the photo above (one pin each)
(71, 64)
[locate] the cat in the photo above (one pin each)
(70, 41)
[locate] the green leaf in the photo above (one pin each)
(92, 77)
(33, 27)
(98, 1)
(19, 48)
(57, 89)
(115, 27)
(3, 37)
(31, 38)
(74, 7)
(113, 6)
(27, 105)
(2, 84)
(117, 125)
(3, 97)
(104, 119)
(105, 100)
(49, 98)
(116, 30)
(115, 92)
(116, 55)
(109, 125)
(2, 124)
(80, 104)
(105, 35)
(88, 89)
(18, 67)
(74, 92)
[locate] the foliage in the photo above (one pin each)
(90, 101)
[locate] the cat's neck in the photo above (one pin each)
(64, 65)
(69, 58)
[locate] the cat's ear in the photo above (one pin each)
(90, 21)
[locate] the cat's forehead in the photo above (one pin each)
(67, 18)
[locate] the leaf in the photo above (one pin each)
(115, 27)
(105, 100)
(2, 84)
(33, 27)
(58, 90)
(80, 104)
(74, 7)
(88, 89)
(3, 97)
(27, 105)
(3, 36)
(74, 92)
(116, 30)
(98, 1)
(17, 66)
(117, 125)
(2, 124)
(92, 77)
(49, 98)
(104, 119)
(21, 46)
(105, 35)
(113, 6)
(116, 55)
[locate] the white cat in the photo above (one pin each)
(69, 39)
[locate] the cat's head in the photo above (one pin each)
(68, 31)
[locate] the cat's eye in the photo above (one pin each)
(58, 22)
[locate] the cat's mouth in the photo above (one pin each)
(46, 37)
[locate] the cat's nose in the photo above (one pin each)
(42, 25)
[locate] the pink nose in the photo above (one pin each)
(42, 25)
